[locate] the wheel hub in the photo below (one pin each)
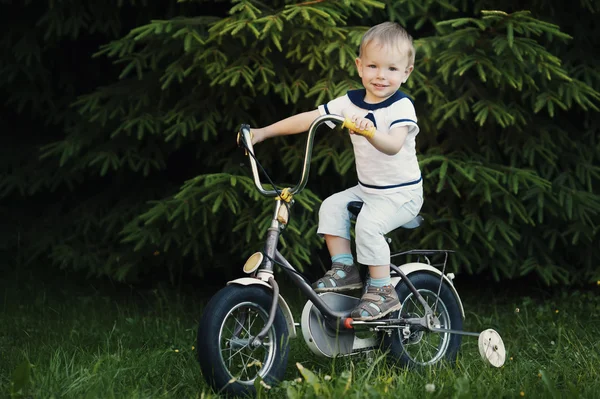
(410, 334)
(238, 343)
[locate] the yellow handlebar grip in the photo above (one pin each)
(368, 133)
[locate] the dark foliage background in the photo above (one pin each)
(117, 152)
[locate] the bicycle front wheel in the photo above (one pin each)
(231, 320)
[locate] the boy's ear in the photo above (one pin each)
(358, 66)
(408, 72)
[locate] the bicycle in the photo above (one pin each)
(245, 328)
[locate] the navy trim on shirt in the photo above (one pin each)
(357, 97)
(391, 186)
(326, 109)
(402, 120)
(371, 117)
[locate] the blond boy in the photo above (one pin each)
(389, 178)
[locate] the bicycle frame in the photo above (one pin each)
(233, 356)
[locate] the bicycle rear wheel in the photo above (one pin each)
(423, 348)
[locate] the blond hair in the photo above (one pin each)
(392, 34)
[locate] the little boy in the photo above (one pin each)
(389, 178)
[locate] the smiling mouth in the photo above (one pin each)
(379, 85)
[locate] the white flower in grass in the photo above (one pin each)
(429, 388)
(265, 385)
(327, 378)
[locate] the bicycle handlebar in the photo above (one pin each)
(245, 132)
(368, 133)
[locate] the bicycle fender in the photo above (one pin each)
(287, 313)
(413, 267)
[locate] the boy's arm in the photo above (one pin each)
(391, 143)
(298, 123)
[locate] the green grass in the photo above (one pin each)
(60, 340)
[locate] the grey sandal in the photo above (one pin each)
(334, 282)
(376, 303)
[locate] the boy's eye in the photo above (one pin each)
(371, 66)
(393, 69)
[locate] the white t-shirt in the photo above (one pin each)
(378, 172)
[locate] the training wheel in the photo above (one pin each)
(491, 348)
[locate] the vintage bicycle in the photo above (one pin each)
(245, 330)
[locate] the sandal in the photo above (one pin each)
(334, 282)
(376, 303)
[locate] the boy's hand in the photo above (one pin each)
(360, 122)
(257, 135)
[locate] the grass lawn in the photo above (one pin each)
(62, 339)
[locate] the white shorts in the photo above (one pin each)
(380, 214)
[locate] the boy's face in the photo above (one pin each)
(382, 70)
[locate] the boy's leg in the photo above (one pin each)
(380, 215)
(337, 245)
(334, 226)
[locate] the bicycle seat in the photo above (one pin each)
(355, 206)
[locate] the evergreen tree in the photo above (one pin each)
(145, 174)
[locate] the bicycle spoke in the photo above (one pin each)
(244, 364)
(251, 323)
(242, 326)
(231, 329)
(425, 347)
(241, 349)
(435, 348)
(415, 306)
(419, 351)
